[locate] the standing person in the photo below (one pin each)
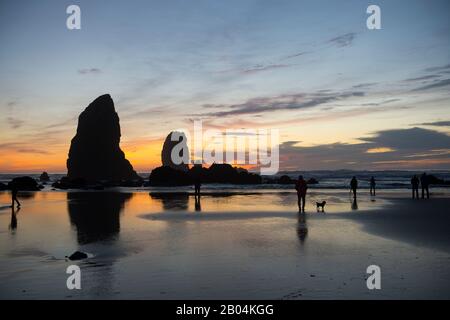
(372, 186)
(354, 186)
(415, 187)
(425, 183)
(14, 192)
(197, 185)
(301, 188)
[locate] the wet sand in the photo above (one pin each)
(256, 247)
(422, 223)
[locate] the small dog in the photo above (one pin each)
(321, 204)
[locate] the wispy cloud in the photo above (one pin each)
(260, 67)
(279, 103)
(14, 122)
(435, 85)
(436, 124)
(422, 78)
(438, 68)
(344, 40)
(89, 71)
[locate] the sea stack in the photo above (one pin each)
(181, 145)
(95, 154)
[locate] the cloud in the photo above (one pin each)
(295, 55)
(422, 78)
(364, 85)
(14, 122)
(31, 150)
(89, 71)
(390, 149)
(344, 40)
(436, 123)
(438, 68)
(260, 67)
(279, 103)
(436, 85)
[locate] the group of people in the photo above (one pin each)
(424, 183)
(301, 186)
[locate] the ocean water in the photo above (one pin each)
(339, 179)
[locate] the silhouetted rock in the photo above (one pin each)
(24, 184)
(95, 154)
(166, 153)
(167, 176)
(216, 173)
(312, 181)
(435, 180)
(3, 186)
(285, 180)
(77, 255)
(44, 177)
(225, 173)
(66, 183)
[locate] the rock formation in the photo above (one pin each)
(181, 145)
(24, 184)
(95, 154)
(44, 177)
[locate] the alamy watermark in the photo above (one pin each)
(257, 148)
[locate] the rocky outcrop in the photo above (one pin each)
(95, 154)
(225, 173)
(216, 173)
(181, 144)
(24, 184)
(167, 176)
(44, 177)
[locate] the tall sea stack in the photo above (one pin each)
(94, 152)
(166, 153)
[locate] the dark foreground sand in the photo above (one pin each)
(419, 222)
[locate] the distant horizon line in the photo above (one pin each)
(280, 172)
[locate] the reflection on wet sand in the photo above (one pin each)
(13, 224)
(198, 206)
(172, 201)
(302, 228)
(354, 204)
(96, 215)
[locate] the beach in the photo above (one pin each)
(238, 245)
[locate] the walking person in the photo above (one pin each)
(301, 187)
(372, 186)
(14, 192)
(354, 186)
(415, 187)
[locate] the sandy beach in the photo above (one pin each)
(150, 246)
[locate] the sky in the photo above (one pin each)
(342, 96)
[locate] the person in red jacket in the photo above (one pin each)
(301, 188)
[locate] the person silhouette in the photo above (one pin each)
(372, 186)
(424, 182)
(415, 187)
(301, 188)
(14, 192)
(354, 186)
(197, 185)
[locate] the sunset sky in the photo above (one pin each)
(341, 95)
